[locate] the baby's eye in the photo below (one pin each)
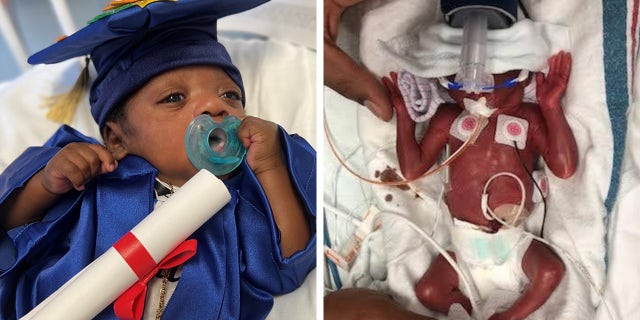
(173, 98)
(231, 95)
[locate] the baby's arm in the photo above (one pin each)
(72, 167)
(264, 156)
(415, 158)
(559, 151)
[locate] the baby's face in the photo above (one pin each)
(157, 116)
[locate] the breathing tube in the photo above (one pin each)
(476, 18)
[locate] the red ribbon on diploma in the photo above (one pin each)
(130, 304)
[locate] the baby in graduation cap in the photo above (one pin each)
(159, 66)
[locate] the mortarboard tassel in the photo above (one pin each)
(62, 107)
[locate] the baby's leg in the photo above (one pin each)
(438, 288)
(545, 271)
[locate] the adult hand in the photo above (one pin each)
(391, 83)
(343, 74)
(357, 304)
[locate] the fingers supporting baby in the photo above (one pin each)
(351, 80)
(345, 75)
(75, 165)
(391, 84)
(359, 303)
(261, 139)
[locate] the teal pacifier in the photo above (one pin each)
(214, 146)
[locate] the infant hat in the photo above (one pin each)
(500, 13)
(133, 41)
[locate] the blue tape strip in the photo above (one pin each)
(615, 67)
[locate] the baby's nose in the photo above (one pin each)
(219, 114)
(212, 107)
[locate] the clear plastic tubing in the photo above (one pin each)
(473, 75)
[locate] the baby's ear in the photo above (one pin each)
(113, 139)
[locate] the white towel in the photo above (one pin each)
(435, 51)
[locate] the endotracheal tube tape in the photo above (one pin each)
(214, 146)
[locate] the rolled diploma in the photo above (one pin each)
(106, 278)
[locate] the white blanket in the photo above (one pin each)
(624, 232)
(394, 257)
(434, 51)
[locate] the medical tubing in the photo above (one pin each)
(480, 123)
(485, 196)
(333, 269)
(472, 295)
(583, 271)
(353, 220)
(349, 242)
(438, 212)
(474, 39)
(336, 177)
(535, 183)
(353, 242)
(473, 75)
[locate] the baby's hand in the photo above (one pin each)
(551, 89)
(260, 137)
(75, 165)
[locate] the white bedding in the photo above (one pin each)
(394, 257)
(624, 229)
(279, 76)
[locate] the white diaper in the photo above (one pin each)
(492, 260)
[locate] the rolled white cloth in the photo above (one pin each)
(107, 277)
(435, 51)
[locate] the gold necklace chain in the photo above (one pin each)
(165, 277)
(163, 292)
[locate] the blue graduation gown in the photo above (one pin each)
(237, 267)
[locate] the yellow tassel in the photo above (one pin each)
(62, 107)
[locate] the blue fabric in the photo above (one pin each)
(132, 46)
(615, 67)
(237, 268)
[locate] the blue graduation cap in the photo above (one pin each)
(133, 41)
